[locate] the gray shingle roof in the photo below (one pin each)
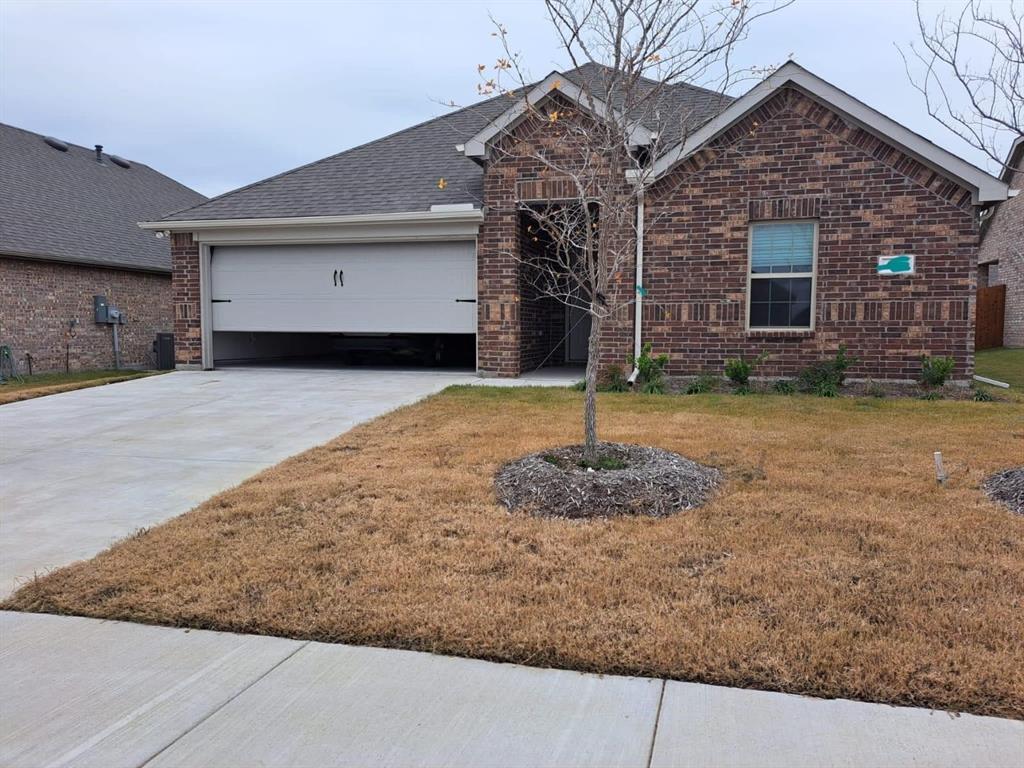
(67, 207)
(400, 172)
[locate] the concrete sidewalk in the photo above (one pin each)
(85, 692)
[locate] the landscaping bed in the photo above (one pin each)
(828, 562)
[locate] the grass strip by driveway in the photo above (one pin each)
(1002, 364)
(42, 384)
(829, 564)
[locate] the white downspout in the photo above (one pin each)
(639, 289)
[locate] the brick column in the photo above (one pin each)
(188, 341)
(498, 323)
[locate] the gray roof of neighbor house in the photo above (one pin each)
(64, 206)
(400, 172)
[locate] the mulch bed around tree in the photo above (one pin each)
(1007, 487)
(640, 480)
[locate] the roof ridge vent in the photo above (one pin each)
(61, 146)
(119, 161)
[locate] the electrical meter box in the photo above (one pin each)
(100, 309)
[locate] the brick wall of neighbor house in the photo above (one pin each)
(188, 342)
(1004, 242)
(39, 298)
(790, 159)
(512, 338)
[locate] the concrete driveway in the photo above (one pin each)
(82, 469)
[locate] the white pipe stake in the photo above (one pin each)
(940, 473)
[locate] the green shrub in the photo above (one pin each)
(741, 389)
(827, 389)
(931, 395)
(784, 387)
(738, 370)
(706, 382)
(650, 371)
(613, 379)
(825, 377)
(579, 386)
(982, 395)
(603, 462)
(936, 370)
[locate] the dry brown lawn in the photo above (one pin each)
(829, 564)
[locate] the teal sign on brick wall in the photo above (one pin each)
(901, 264)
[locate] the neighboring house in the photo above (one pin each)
(1001, 257)
(762, 233)
(69, 231)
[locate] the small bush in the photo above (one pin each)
(650, 371)
(579, 386)
(738, 370)
(703, 384)
(982, 395)
(931, 395)
(613, 379)
(784, 387)
(741, 389)
(827, 389)
(875, 389)
(936, 370)
(603, 462)
(825, 377)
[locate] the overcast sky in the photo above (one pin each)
(218, 94)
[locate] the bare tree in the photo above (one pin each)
(596, 145)
(969, 66)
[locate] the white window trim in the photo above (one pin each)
(813, 274)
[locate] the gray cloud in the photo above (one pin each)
(220, 94)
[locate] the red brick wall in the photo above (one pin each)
(185, 290)
(1004, 242)
(512, 337)
(38, 298)
(793, 158)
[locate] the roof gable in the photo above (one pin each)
(985, 188)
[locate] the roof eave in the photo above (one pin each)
(461, 215)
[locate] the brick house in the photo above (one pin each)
(1001, 256)
(768, 225)
(68, 232)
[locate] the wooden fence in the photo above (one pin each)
(988, 327)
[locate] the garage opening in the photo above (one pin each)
(378, 304)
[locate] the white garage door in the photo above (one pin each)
(351, 288)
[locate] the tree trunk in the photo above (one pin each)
(590, 401)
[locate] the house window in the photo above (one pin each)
(782, 260)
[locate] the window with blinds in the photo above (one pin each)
(782, 262)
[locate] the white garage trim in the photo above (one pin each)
(460, 224)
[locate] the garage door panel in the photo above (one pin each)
(352, 288)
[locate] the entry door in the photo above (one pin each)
(578, 321)
(350, 288)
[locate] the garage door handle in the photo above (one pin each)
(465, 301)
(341, 277)
(220, 301)
(335, 278)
